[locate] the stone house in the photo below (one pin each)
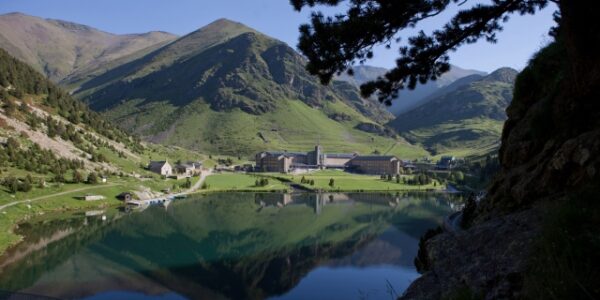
(161, 167)
(125, 196)
(189, 168)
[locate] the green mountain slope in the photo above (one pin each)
(409, 99)
(44, 132)
(59, 49)
(229, 89)
(466, 119)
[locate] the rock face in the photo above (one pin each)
(486, 257)
(551, 140)
(375, 128)
(550, 150)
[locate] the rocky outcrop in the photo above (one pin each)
(550, 151)
(486, 259)
(375, 128)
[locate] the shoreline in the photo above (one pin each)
(116, 203)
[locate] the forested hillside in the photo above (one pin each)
(47, 135)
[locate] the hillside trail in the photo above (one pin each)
(54, 195)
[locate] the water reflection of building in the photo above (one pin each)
(318, 200)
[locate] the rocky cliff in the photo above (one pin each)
(550, 157)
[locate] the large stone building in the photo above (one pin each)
(375, 164)
(278, 161)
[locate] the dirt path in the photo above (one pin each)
(54, 195)
(198, 183)
(195, 187)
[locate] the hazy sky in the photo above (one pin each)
(522, 36)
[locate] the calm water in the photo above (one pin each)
(229, 246)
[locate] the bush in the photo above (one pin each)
(468, 213)
(92, 178)
(422, 262)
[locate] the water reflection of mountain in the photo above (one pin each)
(223, 246)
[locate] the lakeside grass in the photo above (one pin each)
(345, 182)
(240, 181)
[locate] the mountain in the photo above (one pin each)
(44, 132)
(59, 49)
(408, 99)
(227, 88)
(465, 117)
(45, 125)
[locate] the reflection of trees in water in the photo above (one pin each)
(221, 243)
(44, 252)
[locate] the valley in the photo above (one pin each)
(221, 93)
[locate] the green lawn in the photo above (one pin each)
(344, 181)
(239, 181)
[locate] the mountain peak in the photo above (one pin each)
(504, 74)
(72, 26)
(16, 13)
(225, 26)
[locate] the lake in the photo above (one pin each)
(229, 246)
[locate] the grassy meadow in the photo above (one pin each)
(345, 182)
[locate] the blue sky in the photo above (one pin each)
(522, 36)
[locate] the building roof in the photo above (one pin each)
(189, 164)
(286, 153)
(157, 164)
(375, 157)
(340, 155)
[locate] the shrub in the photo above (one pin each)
(422, 262)
(92, 178)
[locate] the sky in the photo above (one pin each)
(521, 37)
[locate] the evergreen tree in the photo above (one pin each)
(59, 177)
(92, 178)
(77, 177)
(332, 44)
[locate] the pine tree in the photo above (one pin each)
(331, 44)
(77, 177)
(92, 178)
